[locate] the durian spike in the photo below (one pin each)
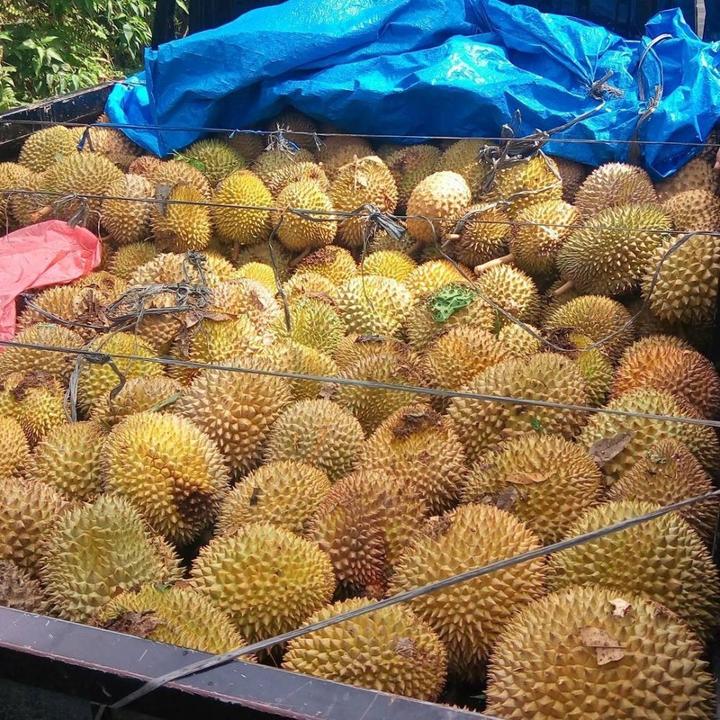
(504, 260)
(565, 287)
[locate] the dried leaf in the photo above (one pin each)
(607, 649)
(620, 607)
(141, 624)
(506, 499)
(525, 478)
(607, 449)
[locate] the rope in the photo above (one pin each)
(402, 597)
(99, 357)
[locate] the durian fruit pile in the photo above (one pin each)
(210, 508)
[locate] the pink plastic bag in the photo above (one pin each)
(48, 253)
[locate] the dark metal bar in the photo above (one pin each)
(101, 666)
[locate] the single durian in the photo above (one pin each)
(526, 183)
(680, 371)
(470, 537)
(698, 174)
(432, 276)
(452, 305)
(572, 175)
(138, 395)
(693, 210)
(460, 354)
(274, 160)
(236, 410)
(95, 552)
(483, 236)
(144, 165)
(19, 590)
(213, 158)
(68, 458)
(338, 151)
(464, 158)
(614, 185)
(14, 447)
(85, 174)
(174, 615)
(539, 234)
(320, 433)
(436, 205)
(39, 403)
(334, 262)
(296, 172)
(410, 165)
(609, 255)
(12, 177)
(175, 172)
(293, 357)
(366, 181)
(97, 381)
(631, 657)
(48, 146)
(546, 481)
(374, 305)
(268, 580)
(389, 651)
(169, 470)
(606, 322)
(663, 559)
(239, 225)
(183, 223)
(311, 230)
(260, 272)
(286, 493)
(314, 323)
(482, 424)
(419, 447)
(518, 342)
(680, 283)
(667, 473)
(388, 263)
(128, 221)
(364, 525)
(28, 360)
(632, 436)
(511, 289)
(128, 258)
(30, 509)
(372, 405)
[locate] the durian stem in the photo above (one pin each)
(504, 260)
(452, 236)
(565, 287)
(41, 214)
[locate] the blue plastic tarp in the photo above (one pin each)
(430, 68)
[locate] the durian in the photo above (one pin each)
(266, 579)
(176, 172)
(296, 127)
(482, 424)
(306, 171)
(698, 174)
(128, 258)
(390, 650)
(432, 276)
(97, 551)
(213, 158)
(260, 272)
(138, 395)
(311, 230)
(334, 262)
(286, 493)
(314, 323)
(39, 403)
(239, 225)
(470, 537)
(48, 146)
(420, 448)
(483, 236)
(572, 175)
(518, 342)
(320, 433)
(546, 481)
(338, 151)
(274, 160)
(614, 185)
(291, 356)
(19, 590)
(109, 142)
(693, 210)
(183, 223)
(631, 657)
(388, 263)
(663, 559)
(410, 165)
(513, 291)
(12, 177)
(14, 447)
(353, 348)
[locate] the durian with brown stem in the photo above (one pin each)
(296, 172)
(389, 651)
(470, 537)
(632, 657)
(419, 446)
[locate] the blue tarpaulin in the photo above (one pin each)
(431, 68)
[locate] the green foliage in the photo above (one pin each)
(57, 46)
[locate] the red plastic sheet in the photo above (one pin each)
(48, 253)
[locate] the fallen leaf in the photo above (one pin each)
(607, 649)
(607, 449)
(141, 624)
(506, 498)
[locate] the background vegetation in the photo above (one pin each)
(57, 46)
